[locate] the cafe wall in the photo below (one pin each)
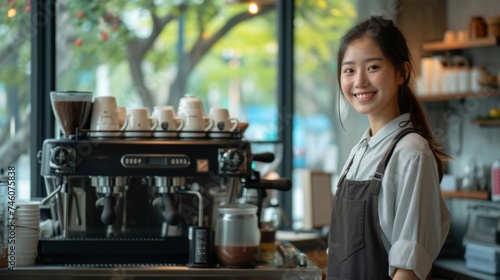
(468, 144)
(474, 143)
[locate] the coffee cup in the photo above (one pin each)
(195, 124)
(139, 123)
(104, 120)
(223, 124)
(189, 102)
(168, 123)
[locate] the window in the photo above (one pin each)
(318, 26)
(147, 55)
(15, 63)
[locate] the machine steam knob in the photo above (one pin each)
(232, 160)
(60, 156)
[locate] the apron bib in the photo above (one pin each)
(355, 247)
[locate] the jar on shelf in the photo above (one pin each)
(477, 28)
(494, 26)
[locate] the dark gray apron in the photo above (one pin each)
(355, 249)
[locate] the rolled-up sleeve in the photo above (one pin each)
(414, 218)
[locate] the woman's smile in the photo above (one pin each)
(365, 96)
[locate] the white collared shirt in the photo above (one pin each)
(413, 216)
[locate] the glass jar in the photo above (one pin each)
(493, 26)
(477, 28)
(237, 237)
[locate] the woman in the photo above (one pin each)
(388, 219)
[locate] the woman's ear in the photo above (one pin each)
(403, 76)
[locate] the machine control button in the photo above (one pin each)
(60, 156)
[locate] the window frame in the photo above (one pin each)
(43, 80)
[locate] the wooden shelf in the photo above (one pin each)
(480, 195)
(486, 122)
(458, 96)
(443, 46)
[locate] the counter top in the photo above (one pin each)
(39, 272)
(456, 269)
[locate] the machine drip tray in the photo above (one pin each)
(113, 251)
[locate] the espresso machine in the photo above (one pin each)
(141, 201)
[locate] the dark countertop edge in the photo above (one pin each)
(457, 265)
(311, 272)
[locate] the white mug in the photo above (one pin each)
(195, 124)
(105, 118)
(189, 102)
(223, 124)
(168, 123)
(139, 123)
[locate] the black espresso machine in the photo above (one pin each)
(142, 201)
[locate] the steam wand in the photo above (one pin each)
(261, 185)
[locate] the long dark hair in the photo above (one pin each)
(393, 45)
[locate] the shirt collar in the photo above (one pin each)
(390, 128)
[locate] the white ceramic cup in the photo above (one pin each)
(139, 123)
(105, 117)
(189, 102)
(168, 123)
(223, 123)
(195, 124)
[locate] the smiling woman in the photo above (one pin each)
(388, 198)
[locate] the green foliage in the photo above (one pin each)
(99, 31)
(248, 54)
(319, 25)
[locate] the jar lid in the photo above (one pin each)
(238, 208)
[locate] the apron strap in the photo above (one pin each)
(379, 173)
(342, 178)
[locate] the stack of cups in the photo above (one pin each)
(27, 219)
